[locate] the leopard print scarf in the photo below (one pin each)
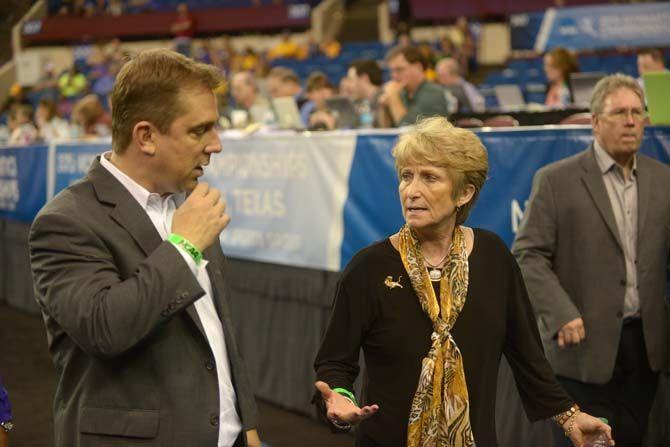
(440, 414)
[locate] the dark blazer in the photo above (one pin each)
(134, 366)
(570, 253)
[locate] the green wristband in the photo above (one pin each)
(346, 393)
(191, 249)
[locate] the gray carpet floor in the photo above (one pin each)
(29, 376)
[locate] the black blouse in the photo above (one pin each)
(394, 333)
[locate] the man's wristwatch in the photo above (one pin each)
(7, 426)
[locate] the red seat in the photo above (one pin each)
(501, 121)
(469, 122)
(577, 118)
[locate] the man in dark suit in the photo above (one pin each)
(593, 249)
(129, 275)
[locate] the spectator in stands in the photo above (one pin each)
(48, 82)
(72, 83)
(330, 48)
(649, 60)
(102, 86)
(5, 416)
(428, 55)
(434, 307)
(115, 8)
(593, 250)
(319, 89)
(366, 80)
(466, 42)
(282, 81)
(249, 60)
(90, 118)
(50, 126)
(559, 63)
(449, 76)
(244, 90)
(408, 95)
(22, 130)
(447, 48)
(286, 48)
(183, 30)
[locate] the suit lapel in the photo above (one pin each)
(593, 180)
(643, 192)
(126, 212)
(130, 216)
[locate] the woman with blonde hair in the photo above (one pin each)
(433, 307)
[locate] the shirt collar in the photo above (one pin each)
(139, 193)
(606, 162)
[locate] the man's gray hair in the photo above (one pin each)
(610, 84)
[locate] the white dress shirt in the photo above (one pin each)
(160, 210)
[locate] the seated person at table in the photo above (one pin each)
(433, 307)
(313, 112)
(449, 76)
(559, 63)
(282, 82)
(244, 90)
(408, 95)
(649, 60)
(365, 78)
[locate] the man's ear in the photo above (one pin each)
(144, 136)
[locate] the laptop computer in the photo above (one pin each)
(582, 85)
(509, 97)
(286, 111)
(657, 93)
(344, 111)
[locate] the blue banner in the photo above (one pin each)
(315, 200)
(524, 29)
(606, 26)
(372, 211)
(285, 195)
(23, 182)
(72, 162)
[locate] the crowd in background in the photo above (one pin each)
(74, 103)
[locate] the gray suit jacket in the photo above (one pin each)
(134, 366)
(570, 254)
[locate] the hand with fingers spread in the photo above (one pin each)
(202, 217)
(340, 409)
(571, 334)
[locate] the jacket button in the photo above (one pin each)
(183, 295)
(214, 419)
(209, 365)
(178, 301)
(622, 282)
(171, 307)
(165, 313)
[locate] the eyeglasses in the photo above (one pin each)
(623, 114)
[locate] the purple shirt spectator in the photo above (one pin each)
(5, 408)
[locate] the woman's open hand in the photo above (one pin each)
(342, 410)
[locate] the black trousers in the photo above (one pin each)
(239, 442)
(627, 398)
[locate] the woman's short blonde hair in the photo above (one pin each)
(435, 141)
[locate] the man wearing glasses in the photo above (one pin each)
(593, 249)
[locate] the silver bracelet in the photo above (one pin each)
(7, 426)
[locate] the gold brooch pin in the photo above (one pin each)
(388, 282)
